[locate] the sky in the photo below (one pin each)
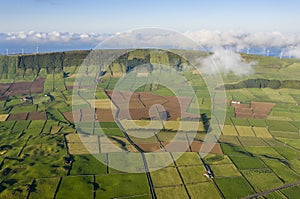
(111, 16)
(81, 24)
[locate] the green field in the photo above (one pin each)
(247, 162)
(263, 179)
(88, 164)
(169, 174)
(224, 170)
(193, 174)
(44, 188)
(122, 185)
(75, 187)
(292, 192)
(236, 187)
(203, 190)
(171, 192)
(45, 158)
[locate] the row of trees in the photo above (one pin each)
(11, 66)
(264, 83)
(30, 65)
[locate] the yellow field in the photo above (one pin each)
(184, 125)
(84, 138)
(141, 124)
(229, 130)
(55, 129)
(244, 130)
(3, 117)
(83, 144)
(102, 104)
(262, 132)
(115, 144)
(78, 148)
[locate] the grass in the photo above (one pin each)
(163, 91)
(240, 122)
(59, 83)
(169, 136)
(171, 192)
(44, 156)
(236, 187)
(291, 192)
(7, 125)
(14, 189)
(125, 162)
(216, 159)
(245, 131)
(247, 162)
(3, 117)
(193, 174)
(224, 170)
(55, 129)
(292, 142)
(102, 103)
(141, 124)
(165, 177)
(76, 187)
(48, 126)
(108, 125)
(79, 148)
(274, 195)
(23, 108)
(49, 83)
(263, 179)
(184, 126)
(262, 132)
(229, 140)
(296, 123)
(187, 159)
(275, 125)
(38, 160)
(286, 174)
(233, 150)
(36, 124)
(238, 96)
(229, 130)
(203, 190)
(276, 96)
(122, 185)
(257, 122)
(259, 94)
(287, 152)
(252, 141)
(263, 151)
(88, 164)
(44, 188)
(280, 134)
(100, 94)
(21, 125)
(112, 132)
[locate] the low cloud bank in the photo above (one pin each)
(226, 61)
(264, 43)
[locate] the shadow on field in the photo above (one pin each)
(206, 122)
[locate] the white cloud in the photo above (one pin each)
(294, 52)
(206, 38)
(225, 61)
(242, 39)
(236, 40)
(44, 37)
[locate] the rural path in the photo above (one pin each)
(153, 195)
(273, 190)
